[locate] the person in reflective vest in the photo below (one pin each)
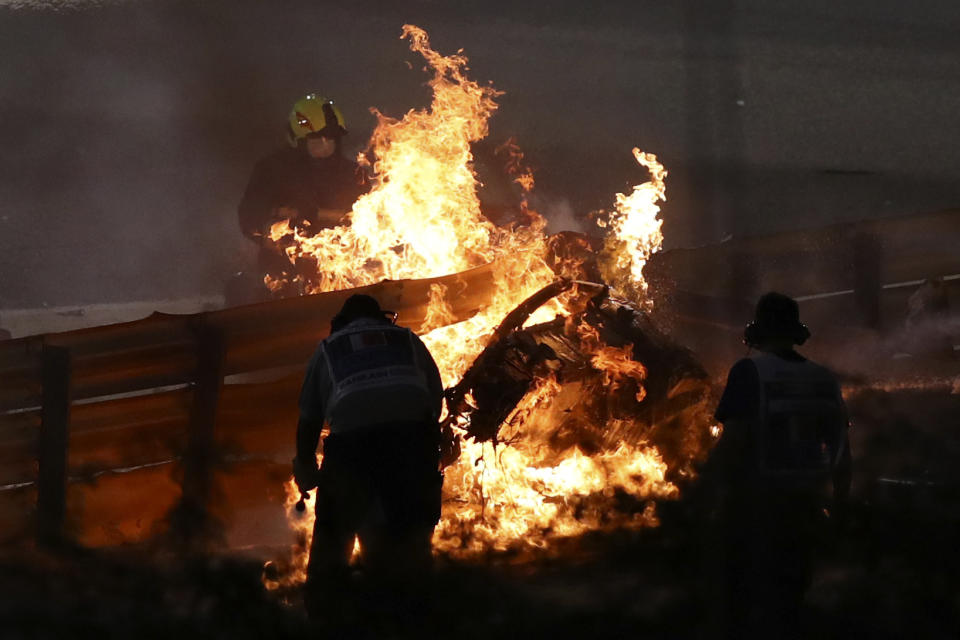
(782, 461)
(377, 388)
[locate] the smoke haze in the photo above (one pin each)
(128, 129)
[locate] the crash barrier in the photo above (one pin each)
(859, 273)
(88, 405)
(74, 405)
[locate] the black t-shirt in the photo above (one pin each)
(738, 409)
(741, 395)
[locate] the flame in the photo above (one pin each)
(294, 568)
(616, 363)
(523, 493)
(422, 219)
(516, 167)
(635, 230)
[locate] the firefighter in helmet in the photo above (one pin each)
(309, 182)
(782, 461)
(378, 389)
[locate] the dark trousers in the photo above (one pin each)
(768, 561)
(383, 485)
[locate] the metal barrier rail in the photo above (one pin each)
(58, 392)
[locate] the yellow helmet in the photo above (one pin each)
(314, 114)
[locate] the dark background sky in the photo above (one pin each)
(128, 129)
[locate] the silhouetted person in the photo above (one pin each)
(783, 451)
(309, 183)
(379, 390)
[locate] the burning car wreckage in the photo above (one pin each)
(568, 408)
(609, 402)
(608, 413)
(607, 383)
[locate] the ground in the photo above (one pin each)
(888, 569)
(623, 585)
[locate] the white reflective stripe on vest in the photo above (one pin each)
(802, 426)
(372, 359)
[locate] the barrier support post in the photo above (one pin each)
(191, 522)
(54, 437)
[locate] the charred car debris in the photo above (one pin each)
(663, 398)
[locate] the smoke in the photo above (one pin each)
(559, 213)
(129, 154)
(920, 355)
(130, 127)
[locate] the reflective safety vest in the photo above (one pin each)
(802, 425)
(375, 377)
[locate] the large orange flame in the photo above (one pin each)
(635, 230)
(422, 219)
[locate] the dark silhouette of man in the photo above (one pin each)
(783, 450)
(378, 389)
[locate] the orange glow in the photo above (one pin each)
(422, 219)
(634, 230)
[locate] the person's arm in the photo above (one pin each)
(256, 207)
(448, 441)
(351, 183)
(736, 411)
(434, 382)
(310, 423)
(843, 471)
(360, 184)
(308, 437)
(264, 204)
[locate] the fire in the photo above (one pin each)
(523, 493)
(616, 363)
(635, 229)
(422, 219)
(301, 523)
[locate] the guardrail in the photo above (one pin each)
(77, 404)
(868, 268)
(134, 393)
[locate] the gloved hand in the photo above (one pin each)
(306, 474)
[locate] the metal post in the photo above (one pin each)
(54, 437)
(191, 519)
